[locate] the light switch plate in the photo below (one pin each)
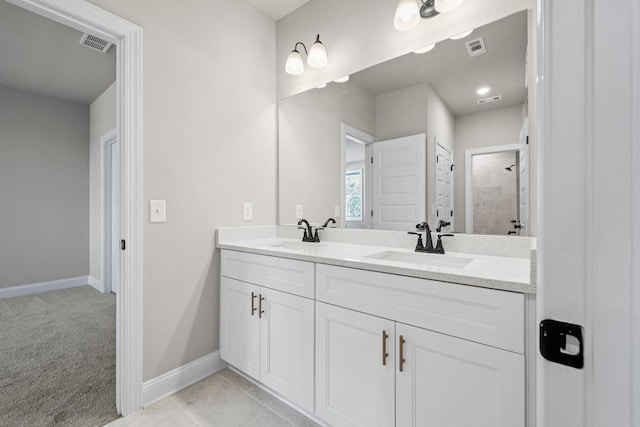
(157, 211)
(247, 212)
(299, 213)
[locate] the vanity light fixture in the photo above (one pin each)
(425, 49)
(342, 79)
(409, 12)
(316, 57)
(461, 35)
(483, 90)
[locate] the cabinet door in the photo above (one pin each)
(451, 382)
(286, 346)
(353, 387)
(239, 325)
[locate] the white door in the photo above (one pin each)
(523, 190)
(452, 382)
(444, 187)
(354, 386)
(287, 346)
(239, 325)
(589, 245)
(399, 183)
(114, 185)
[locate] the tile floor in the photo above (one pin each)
(223, 399)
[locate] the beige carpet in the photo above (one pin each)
(57, 359)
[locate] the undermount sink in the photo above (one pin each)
(428, 260)
(296, 246)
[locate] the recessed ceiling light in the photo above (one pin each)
(425, 49)
(342, 79)
(322, 86)
(461, 35)
(483, 90)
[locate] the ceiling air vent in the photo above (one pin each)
(95, 43)
(489, 99)
(476, 47)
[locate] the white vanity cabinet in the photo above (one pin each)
(428, 377)
(362, 348)
(266, 333)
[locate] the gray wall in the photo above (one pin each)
(209, 146)
(102, 118)
(494, 127)
(310, 147)
(44, 188)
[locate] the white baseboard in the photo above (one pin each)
(96, 284)
(37, 288)
(181, 377)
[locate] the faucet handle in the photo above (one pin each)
(420, 244)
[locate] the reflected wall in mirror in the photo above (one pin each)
(402, 142)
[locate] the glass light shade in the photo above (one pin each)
(295, 64)
(461, 35)
(317, 55)
(425, 49)
(342, 79)
(322, 86)
(444, 6)
(407, 15)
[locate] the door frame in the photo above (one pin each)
(350, 132)
(86, 17)
(468, 177)
(106, 141)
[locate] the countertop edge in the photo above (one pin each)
(479, 282)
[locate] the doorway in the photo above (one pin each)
(496, 190)
(127, 37)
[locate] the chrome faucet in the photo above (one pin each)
(308, 235)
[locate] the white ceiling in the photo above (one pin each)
(45, 57)
(276, 9)
(455, 76)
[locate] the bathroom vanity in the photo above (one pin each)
(376, 334)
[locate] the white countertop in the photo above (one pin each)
(495, 272)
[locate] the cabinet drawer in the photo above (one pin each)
(287, 275)
(486, 316)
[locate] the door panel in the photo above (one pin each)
(239, 326)
(447, 381)
(287, 345)
(444, 187)
(353, 388)
(399, 182)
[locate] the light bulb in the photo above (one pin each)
(483, 90)
(407, 15)
(295, 64)
(342, 79)
(425, 49)
(461, 35)
(444, 6)
(317, 54)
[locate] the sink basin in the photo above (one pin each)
(428, 260)
(296, 246)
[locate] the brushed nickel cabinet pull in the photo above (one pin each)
(384, 348)
(260, 310)
(253, 303)
(402, 341)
